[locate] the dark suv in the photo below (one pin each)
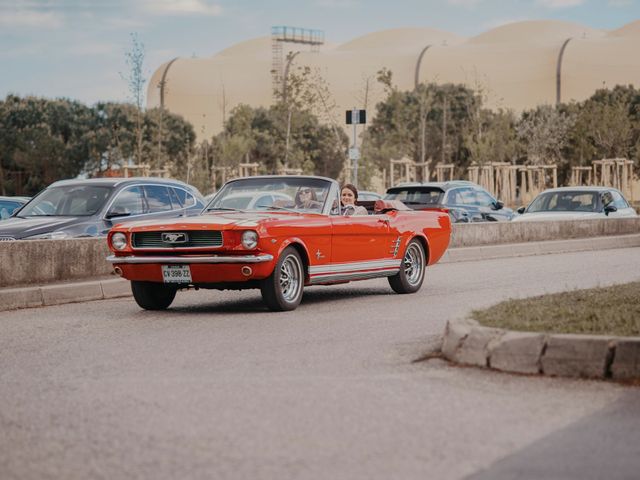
(89, 208)
(466, 201)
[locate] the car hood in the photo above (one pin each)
(543, 216)
(221, 220)
(26, 227)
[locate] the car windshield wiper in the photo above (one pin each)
(225, 209)
(286, 209)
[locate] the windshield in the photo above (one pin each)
(67, 200)
(564, 202)
(7, 207)
(300, 194)
(416, 196)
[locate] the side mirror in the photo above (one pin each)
(521, 210)
(610, 208)
(498, 205)
(114, 213)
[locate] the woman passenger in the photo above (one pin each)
(348, 199)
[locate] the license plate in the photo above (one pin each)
(176, 273)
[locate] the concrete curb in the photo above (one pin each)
(580, 356)
(60, 293)
(80, 291)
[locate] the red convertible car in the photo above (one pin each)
(293, 235)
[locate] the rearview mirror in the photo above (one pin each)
(610, 208)
(521, 210)
(497, 205)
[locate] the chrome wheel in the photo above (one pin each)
(290, 278)
(411, 275)
(413, 264)
(282, 290)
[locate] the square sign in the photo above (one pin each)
(356, 117)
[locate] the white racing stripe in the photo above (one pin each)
(337, 277)
(353, 266)
(350, 271)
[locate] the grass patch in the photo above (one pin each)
(597, 311)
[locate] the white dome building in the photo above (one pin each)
(518, 66)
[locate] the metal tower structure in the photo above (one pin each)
(293, 35)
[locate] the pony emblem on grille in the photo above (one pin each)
(174, 237)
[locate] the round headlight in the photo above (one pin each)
(249, 239)
(119, 241)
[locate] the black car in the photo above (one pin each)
(89, 208)
(466, 201)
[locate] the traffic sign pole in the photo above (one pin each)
(355, 160)
(354, 117)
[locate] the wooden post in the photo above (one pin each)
(472, 173)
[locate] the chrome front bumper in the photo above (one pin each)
(187, 260)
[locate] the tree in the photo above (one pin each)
(256, 135)
(177, 142)
(41, 142)
(111, 141)
(544, 133)
(491, 137)
(134, 59)
(305, 95)
(608, 124)
(427, 122)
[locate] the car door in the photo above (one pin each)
(129, 204)
(461, 199)
(618, 201)
(188, 202)
(486, 205)
(159, 202)
(360, 238)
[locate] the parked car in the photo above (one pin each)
(87, 208)
(575, 203)
(366, 196)
(278, 249)
(465, 201)
(8, 205)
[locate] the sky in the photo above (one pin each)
(77, 49)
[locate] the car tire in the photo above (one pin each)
(282, 290)
(152, 295)
(412, 269)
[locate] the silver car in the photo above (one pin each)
(89, 208)
(576, 203)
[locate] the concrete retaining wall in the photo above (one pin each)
(31, 262)
(476, 234)
(28, 262)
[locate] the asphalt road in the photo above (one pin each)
(217, 387)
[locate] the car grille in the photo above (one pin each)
(195, 239)
(6, 239)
